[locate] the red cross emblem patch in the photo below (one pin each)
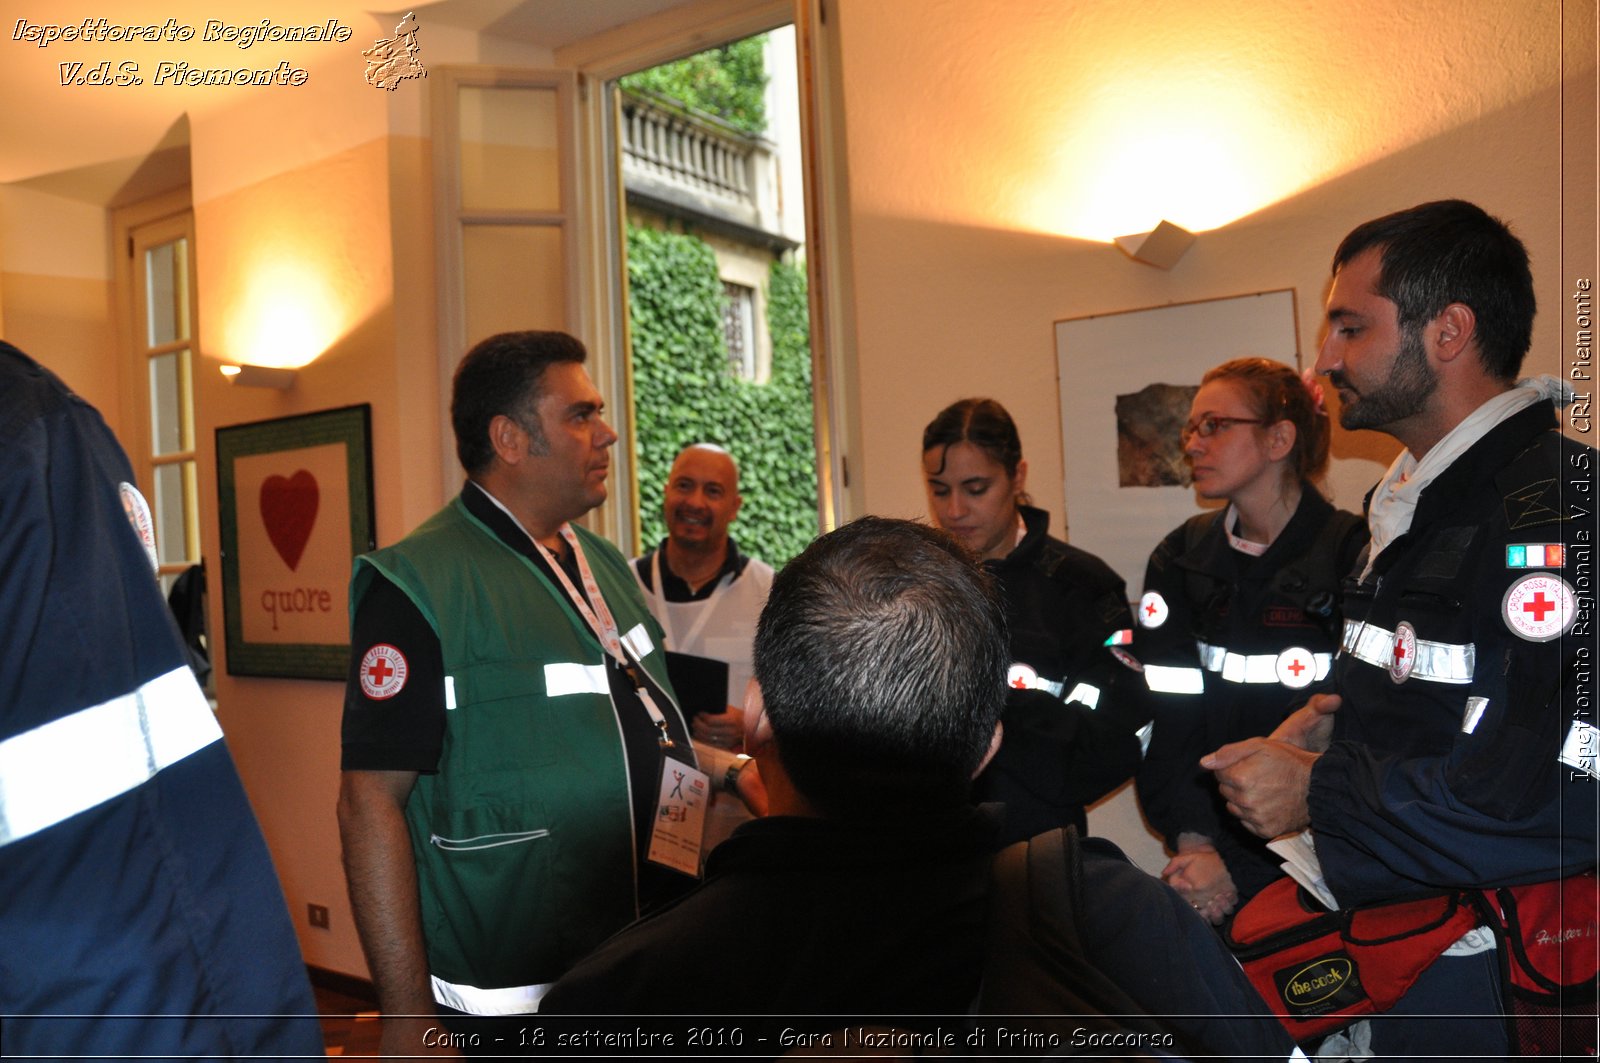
(1539, 607)
(1022, 677)
(383, 672)
(1296, 667)
(1152, 610)
(1403, 652)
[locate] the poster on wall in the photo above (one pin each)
(295, 498)
(1126, 381)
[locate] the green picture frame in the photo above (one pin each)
(295, 499)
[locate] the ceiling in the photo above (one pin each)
(111, 143)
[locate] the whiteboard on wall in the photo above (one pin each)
(1145, 357)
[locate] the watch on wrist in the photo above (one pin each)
(730, 778)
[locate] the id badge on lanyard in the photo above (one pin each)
(679, 824)
(678, 829)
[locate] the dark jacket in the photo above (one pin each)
(1463, 766)
(1227, 617)
(1071, 737)
(156, 899)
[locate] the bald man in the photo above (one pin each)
(705, 593)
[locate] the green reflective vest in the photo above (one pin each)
(524, 838)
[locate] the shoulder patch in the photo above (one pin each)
(138, 511)
(383, 672)
(1128, 660)
(1539, 607)
(1533, 505)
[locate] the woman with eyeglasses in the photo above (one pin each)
(1238, 623)
(1074, 711)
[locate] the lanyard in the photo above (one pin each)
(598, 617)
(709, 604)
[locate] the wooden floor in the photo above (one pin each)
(349, 1024)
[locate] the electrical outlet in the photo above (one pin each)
(318, 915)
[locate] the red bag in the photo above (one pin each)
(1549, 937)
(1319, 971)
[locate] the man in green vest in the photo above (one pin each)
(510, 738)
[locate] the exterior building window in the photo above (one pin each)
(739, 326)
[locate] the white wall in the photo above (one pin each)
(988, 142)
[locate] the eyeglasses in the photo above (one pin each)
(1208, 426)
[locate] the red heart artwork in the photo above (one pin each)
(289, 509)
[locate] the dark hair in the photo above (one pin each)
(1448, 252)
(1275, 393)
(502, 375)
(882, 656)
(986, 425)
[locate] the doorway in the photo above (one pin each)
(712, 225)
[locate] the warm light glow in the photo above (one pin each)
(231, 370)
(286, 316)
(1199, 157)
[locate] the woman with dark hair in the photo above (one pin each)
(1074, 710)
(1238, 624)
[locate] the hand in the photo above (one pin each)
(1201, 878)
(725, 730)
(1311, 726)
(752, 789)
(1265, 782)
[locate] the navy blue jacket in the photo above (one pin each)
(155, 903)
(1446, 763)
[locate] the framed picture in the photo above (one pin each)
(1126, 382)
(295, 497)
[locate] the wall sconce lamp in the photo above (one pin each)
(259, 376)
(1160, 247)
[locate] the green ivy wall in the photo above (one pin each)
(684, 393)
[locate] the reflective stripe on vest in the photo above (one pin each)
(1252, 667)
(70, 765)
(512, 1000)
(1436, 662)
(563, 679)
(1165, 679)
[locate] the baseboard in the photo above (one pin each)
(338, 982)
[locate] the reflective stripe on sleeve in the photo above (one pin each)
(1085, 693)
(573, 678)
(1436, 662)
(1166, 679)
(511, 1000)
(70, 765)
(1252, 667)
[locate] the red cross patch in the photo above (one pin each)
(1152, 610)
(138, 511)
(1022, 677)
(1539, 607)
(1296, 667)
(383, 672)
(1403, 652)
